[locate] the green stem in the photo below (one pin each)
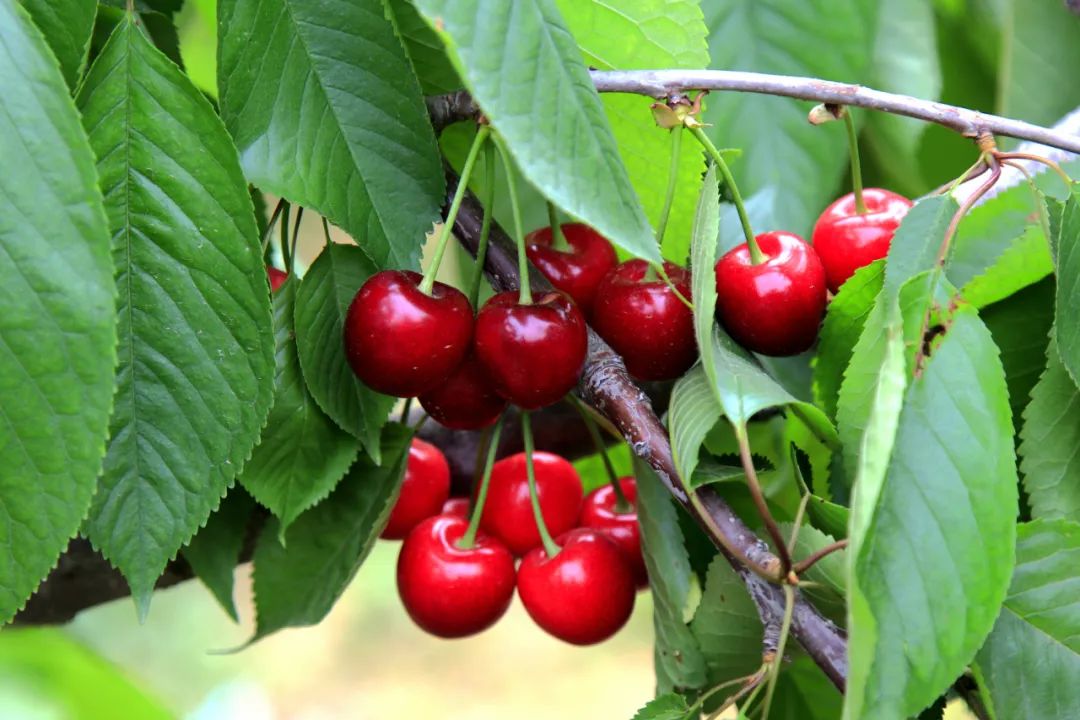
(295, 237)
(405, 408)
(485, 227)
(448, 227)
(283, 237)
(545, 537)
(785, 630)
(756, 256)
(558, 239)
(524, 292)
(622, 503)
(673, 176)
(856, 166)
(469, 538)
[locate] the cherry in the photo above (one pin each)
(458, 507)
(773, 308)
(577, 271)
(423, 490)
(599, 513)
(846, 241)
(582, 595)
(533, 353)
(508, 513)
(645, 322)
(450, 591)
(466, 400)
(277, 277)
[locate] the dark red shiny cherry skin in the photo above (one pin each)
(465, 400)
(846, 241)
(598, 512)
(449, 591)
(645, 322)
(277, 277)
(584, 594)
(533, 354)
(402, 342)
(774, 308)
(508, 513)
(578, 271)
(458, 507)
(424, 489)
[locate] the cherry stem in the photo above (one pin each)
(485, 227)
(281, 205)
(526, 432)
(405, 407)
(1045, 161)
(856, 166)
(283, 236)
(558, 238)
(785, 630)
(428, 282)
(759, 501)
(295, 238)
(673, 176)
(469, 538)
(622, 503)
(756, 256)
(1040, 206)
(809, 562)
(659, 270)
(524, 291)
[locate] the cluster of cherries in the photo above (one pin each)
(457, 578)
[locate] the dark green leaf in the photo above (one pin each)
(1021, 325)
(302, 454)
(1067, 246)
(669, 706)
(214, 552)
(326, 111)
(67, 26)
(804, 693)
(433, 68)
(828, 575)
(298, 586)
(1040, 49)
(727, 626)
(57, 314)
(917, 242)
(321, 304)
(828, 517)
(196, 346)
(573, 160)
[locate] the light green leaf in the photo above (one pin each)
(1021, 327)
(727, 625)
(1031, 660)
(214, 552)
(1040, 48)
(1066, 243)
(326, 111)
(302, 454)
(693, 413)
(299, 586)
(57, 314)
(828, 576)
(1025, 262)
(669, 706)
(196, 346)
(425, 50)
(917, 242)
(703, 279)
(525, 71)
(67, 26)
(322, 302)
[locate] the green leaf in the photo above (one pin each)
(196, 347)
(1021, 326)
(675, 588)
(828, 574)
(67, 26)
(1030, 662)
(932, 554)
(815, 38)
(828, 517)
(703, 280)
(1040, 48)
(321, 305)
(804, 693)
(917, 242)
(844, 323)
(1066, 242)
(668, 706)
(214, 552)
(302, 454)
(553, 120)
(631, 35)
(57, 314)
(326, 111)
(433, 68)
(693, 413)
(1025, 262)
(727, 626)
(299, 586)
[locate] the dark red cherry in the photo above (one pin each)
(584, 594)
(577, 271)
(533, 354)
(599, 513)
(774, 308)
(645, 322)
(846, 241)
(508, 513)
(465, 400)
(402, 342)
(449, 591)
(424, 489)
(277, 277)
(458, 507)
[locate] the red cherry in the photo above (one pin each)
(598, 512)
(449, 591)
(582, 595)
(277, 277)
(508, 513)
(458, 507)
(533, 353)
(402, 342)
(423, 490)
(578, 271)
(466, 400)
(846, 241)
(645, 322)
(773, 308)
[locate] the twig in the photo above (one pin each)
(809, 562)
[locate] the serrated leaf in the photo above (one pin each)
(703, 279)
(693, 413)
(917, 242)
(1040, 42)
(326, 111)
(804, 693)
(322, 302)
(433, 68)
(301, 454)
(1021, 326)
(669, 706)
(932, 554)
(298, 586)
(553, 120)
(1023, 263)
(727, 626)
(828, 516)
(1066, 229)
(214, 552)
(1031, 659)
(67, 26)
(828, 575)
(57, 314)
(196, 347)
